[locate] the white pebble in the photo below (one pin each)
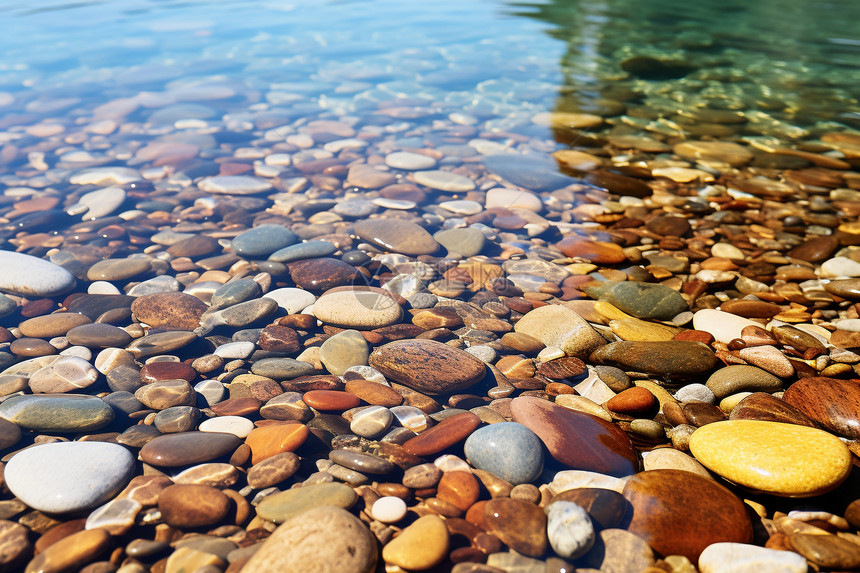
(236, 425)
(742, 558)
(388, 509)
(569, 529)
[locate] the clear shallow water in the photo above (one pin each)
(792, 66)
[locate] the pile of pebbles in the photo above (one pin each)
(637, 353)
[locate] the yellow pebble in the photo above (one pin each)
(422, 545)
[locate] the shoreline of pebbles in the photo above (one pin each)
(433, 358)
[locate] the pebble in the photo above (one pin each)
(577, 440)
(444, 181)
(422, 545)
(31, 276)
(279, 507)
(508, 450)
(830, 402)
(321, 538)
(344, 350)
(57, 412)
(561, 327)
(520, 525)
(679, 513)
(427, 366)
(397, 236)
(320, 275)
(726, 557)
(642, 300)
(723, 326)
(409, 161)
(234, 185)
(92, 473)
(676, 357)
(186, 448)
(742, 378)
(776, 458)
(262, 241)
(187, 505)
(358, 309)
(569, 529)
(388, 509)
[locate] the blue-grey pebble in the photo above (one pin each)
(308, 250)
(235, 292)
(508, 450)
(262, 241)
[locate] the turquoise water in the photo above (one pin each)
(795, 64)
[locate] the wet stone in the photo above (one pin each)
(234, 292)
(772, 457)
(466, 242)
(14, 543)
(575, 439)
(767, 408)
(682, 358)
(559, 326)
(443, 435)
(518, 524)
(118, 269)
(262, 241)
(234, 185)
(833, 403)
(358, 309)
(397, 236)
(444, 181)
(194, 247)
(727, 556)
(318, 275)
(282, 368)
(742, 378)
(72, 552)
(282, 506)
(569, 529)
(65, 374)
(827, 551)
(268, 441)
(187, 505)
(642, 300)
(160, 343)
(371, 422)
(508, 450)
(187, 448)
(679, 513)
(307, 250)
(321, 539)
(99, 335)
(52, 325)
(57, 412)
(28, 275)
(169, 311)
(606, 507)
(364, 463)
(92, 473)
(344, 350)
(427, 366)
(166, 394)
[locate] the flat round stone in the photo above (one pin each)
(160, 343)
(397, 236)
(186, 448)
(518, 524)
(444, 181)
(576, 439)
(319, 539)
(344, 350)
(57, 412)
(466, 242)
(358, 309)
(269, 441)
(427, 366)
(674, 357)
(772, 457)
(118, 269)
(742, 378)
(409, 161)
(307, 250)
(319, 275)
(234, 185)
(65, 374)
(192, 505)
(169, 311)
(280, 507)
(262, 241)
(508, 450)
(51, 325)
(679, 513)
(31, 276)
(98, 335)
(91, 473)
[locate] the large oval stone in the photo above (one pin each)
(680, 513)
(835, 404)
(767, 408)
(64, 477)
(772, 457)
(397, 236)
(29, 275)
(186, 448)
(319, 539)
(322, 274)
(281, 506)
(519, 524)
(642, 300)
(57, 412)
(358, 309)
(427, 366)
(576, 439)
(673, 357)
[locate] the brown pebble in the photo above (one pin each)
(192, 505)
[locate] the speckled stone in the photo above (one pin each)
(569, 529)
(358, 309)
(427, 366)
(674, 357)
(92, 473)
(65, 374)
(508, 450)
(772, 457)
(742, 378)
(318, 539)
(169, 311)
(319, 275)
